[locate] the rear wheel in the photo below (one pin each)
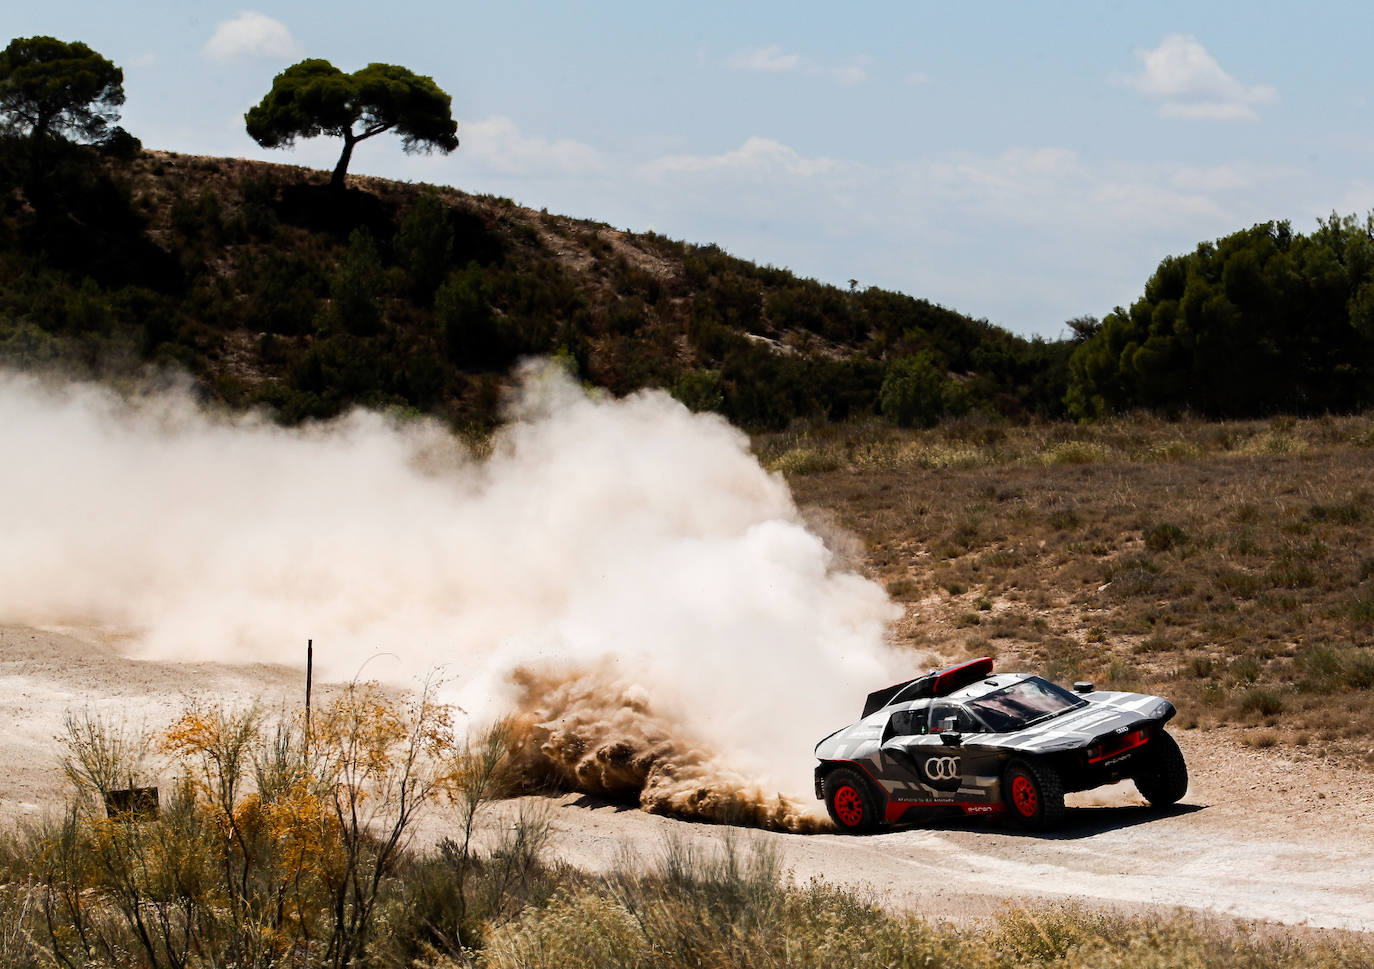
(1034, 794)
(1163, 780)
(850, 801)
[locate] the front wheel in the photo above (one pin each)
(1164, 778)
(849, 800)
(1034, 794)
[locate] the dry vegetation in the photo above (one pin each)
(272, 854)
(282, 842)
(1229, 566)
(731, 909)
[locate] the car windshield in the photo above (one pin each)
(1023, 704)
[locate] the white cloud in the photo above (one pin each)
(1211, 178)
(1191, 84)
(917, 78)
(1041, 161)
(252, 35)
(772, 60)
(499, 145)
(856, 72)
(757, 155)
(1148, 203)
(766, 60)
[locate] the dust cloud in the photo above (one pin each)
(620, 574)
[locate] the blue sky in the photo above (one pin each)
(1023, 162)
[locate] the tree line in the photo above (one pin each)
(1263, 321)
(424, 302)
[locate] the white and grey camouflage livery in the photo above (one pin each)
(984, 743)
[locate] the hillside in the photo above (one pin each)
(1225, 565)
(271, 290)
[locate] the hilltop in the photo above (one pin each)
(271, 290)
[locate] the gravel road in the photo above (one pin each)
(1262, 834)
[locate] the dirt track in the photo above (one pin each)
(1260, 835)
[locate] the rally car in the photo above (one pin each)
(968, 739)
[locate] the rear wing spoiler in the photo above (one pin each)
(932, 684)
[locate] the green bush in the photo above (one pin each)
(1164, 537)
(1064, 519)
(1262, 700)
(424, 245)
(1245, 669)
(915, 391)
(473, 337)
(356, 287)
(700, 389)
(1359, 672)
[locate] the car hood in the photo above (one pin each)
(1104, 714)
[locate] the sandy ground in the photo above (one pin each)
(1260, 835)
(44, 674)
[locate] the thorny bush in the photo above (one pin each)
(281, 841)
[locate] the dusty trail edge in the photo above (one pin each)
(1261, 835)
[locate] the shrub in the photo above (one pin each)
(356, 287)
(424, 245)
(280, 843)
(1262, 700)
(1321, 663)
(1344, 513)
(699, 390)
(1359, 673)
(1163, 537)
(806, 461)
(1362, 608)
(1292, 572)
(1155, 644)
(914, 391)
(1064, 519)
(1201, 666)
(1238, 582)
(473, 337)
(121, 145)
(1134, 577)
(1245, 669)
(1074, 452)
(283, 293)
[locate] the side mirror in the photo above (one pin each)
(1082, 687)
(951, 738)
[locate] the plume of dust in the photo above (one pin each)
(621, 573)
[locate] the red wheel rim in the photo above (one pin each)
(1023, 795)
(849, 806)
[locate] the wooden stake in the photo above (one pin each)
(309, 675)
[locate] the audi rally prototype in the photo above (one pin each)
(969, 739)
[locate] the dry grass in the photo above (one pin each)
(279, 844)
(1229, 566)
(733, 909)
(89, 892)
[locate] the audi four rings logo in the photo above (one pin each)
(942, 768)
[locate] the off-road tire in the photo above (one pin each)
(1163, 778)
(1034, 794)
(850, 801)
